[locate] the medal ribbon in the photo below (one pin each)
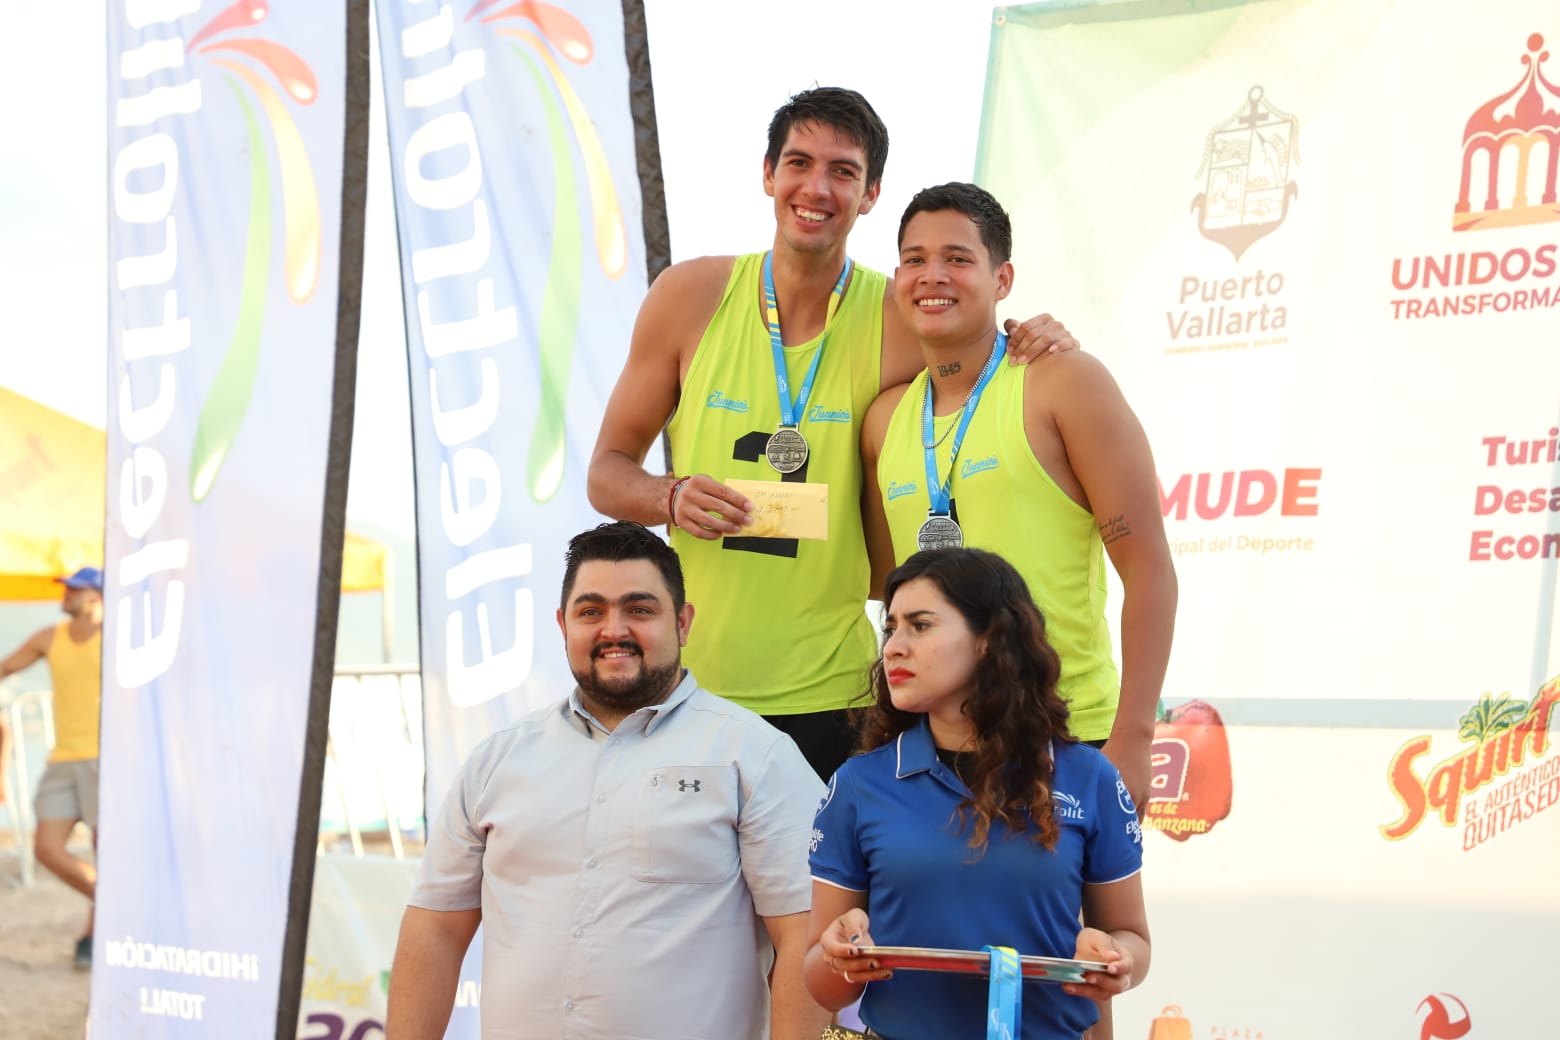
(791, 414)
(939, 492)
(1004, 998)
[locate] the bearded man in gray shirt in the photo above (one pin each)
(632, 852)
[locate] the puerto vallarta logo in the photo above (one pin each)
(1520, 127)
(1503, 777)
(1248, 159)
(242, 57)
(543, 33)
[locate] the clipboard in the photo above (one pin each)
(978, 962)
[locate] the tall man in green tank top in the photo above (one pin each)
(765, 365)
(1046, 466)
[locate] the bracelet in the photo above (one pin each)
(671, 500)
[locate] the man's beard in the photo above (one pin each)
(629, 693)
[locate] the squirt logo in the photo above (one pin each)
(1503, 776)
(541, 34)
(1247, 160)
(1444, 1017)
(1513, 141)
(250, 63)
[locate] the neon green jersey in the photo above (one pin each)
(779, 624)
(1006, 503)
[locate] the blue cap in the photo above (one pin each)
(86, 578)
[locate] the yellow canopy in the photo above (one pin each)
(52, 476)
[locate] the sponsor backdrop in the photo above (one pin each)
(358, 903)
(523, 226)
(1318, 244)
(236, 163)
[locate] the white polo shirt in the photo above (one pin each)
(621, 876)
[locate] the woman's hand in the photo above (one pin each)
(1095, 945)
(841, 944)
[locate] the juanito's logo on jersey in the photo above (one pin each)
(969, 467)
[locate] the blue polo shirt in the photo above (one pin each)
(888, 826)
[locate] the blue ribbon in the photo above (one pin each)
(791, 414)
(1005, 998)
(939, 491)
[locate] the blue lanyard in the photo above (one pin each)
(1005, 996)
(791, 414)
(938, 491)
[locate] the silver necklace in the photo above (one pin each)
(934, 445)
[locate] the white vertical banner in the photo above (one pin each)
(1318, 244)
(513, 130)
(523, 264)
(236, 164)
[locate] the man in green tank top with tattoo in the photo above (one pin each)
(1046, 466)
(765, 365)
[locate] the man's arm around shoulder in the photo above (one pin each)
(426, 971)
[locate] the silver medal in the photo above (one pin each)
(787, 450)
(939, 532)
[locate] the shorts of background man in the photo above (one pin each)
(826, 738)
(69, 791)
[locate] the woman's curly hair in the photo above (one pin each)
(1015, 707)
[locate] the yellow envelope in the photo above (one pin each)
(782, 510)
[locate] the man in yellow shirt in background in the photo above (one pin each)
(67, 792)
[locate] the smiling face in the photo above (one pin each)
(946, 286)
(930, 656)
(820, 187)
(623, 635)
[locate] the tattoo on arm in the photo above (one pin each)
(947, 370)
(1114, 528)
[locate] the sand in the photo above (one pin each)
(42, 995)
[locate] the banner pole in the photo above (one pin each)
(333, 528)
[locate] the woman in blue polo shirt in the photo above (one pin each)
(933, 832)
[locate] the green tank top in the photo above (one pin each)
(780, 625)
(1006, 503)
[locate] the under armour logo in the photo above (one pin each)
(688, 785)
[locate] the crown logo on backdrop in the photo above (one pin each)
(1503, 132)
(1247, 158)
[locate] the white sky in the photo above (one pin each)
(720, 69)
